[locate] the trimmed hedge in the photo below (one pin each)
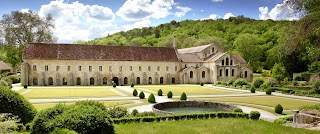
(13, 102)
(132, 84)
(159, 92)
(201, 84)
(63, 131)
(151, 98)
(114, 85)
(181, 117)
(183, 96)
(169, 95)
(252, 89)
(278, 109)
(240, 82)
(254, 115)
(268, 91)
(141, 95)
(238, 110)
(135, 92)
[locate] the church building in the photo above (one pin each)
(75, 64)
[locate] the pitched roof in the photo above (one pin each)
(239, 58)
(190, 58)
(215, 57)
(98, 52)
(4, 66)
(193, 49)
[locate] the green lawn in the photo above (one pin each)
(188, 89)
(270, 101)
(65, 92)
(42, 106)
(210, 126)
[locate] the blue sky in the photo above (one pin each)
(89, 19)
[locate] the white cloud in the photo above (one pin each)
(25, 10)
(183, 11)
(135, 10)
(212, 16)
(201, 10)
(139, 24)
(217, 0)
(287, 10)
(228, 15)
(76, 21)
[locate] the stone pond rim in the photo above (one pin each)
(159, 107)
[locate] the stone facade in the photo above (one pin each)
(63, 64)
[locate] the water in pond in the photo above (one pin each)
(191, 110)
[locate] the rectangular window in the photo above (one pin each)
(139, 68)
(57, 68)
(46, 68)
(158, 68)
(227, 72)
(167, 68)
(100, 68)
(69, 68)
(120, 68)
(176, 68)
(232, 72)
(110, 68)
(149, 68)
(130, 68)
(34, 68)
(90, 68)
(79, 68)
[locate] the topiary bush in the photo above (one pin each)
(151, 98)
(25, 86)
(201, 83)
(238, 110)
(134, 112)
(159, 92)
(135, 92)
(254, 115)
(183, 96)
(13, 102)
(268, 91)
(240, 82)
(80, 117)
(252, 89)
(114, 85)
(132, 84)
(278, 109)
(63, 131)
(141, 95)
(169, 94)
(257, 82)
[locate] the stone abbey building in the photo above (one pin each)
(75, 64)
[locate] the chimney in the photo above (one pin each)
(174, 42)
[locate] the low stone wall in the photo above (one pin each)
(158, 108)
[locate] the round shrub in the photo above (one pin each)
(132, 84)
(240, 82)
(151, 98)
(135, 92)
(201, 84)
(81, 117)
(169, 94)
(278, 109)
(268, 91)
(114, 85)
(159, 92)
(25, 86)
(134, 112)
(238, 110)
(230, 82)
(63, 131)
(253, 89)
(254, 115)
(257, 82)
(141, 95)
(13, 102)
(183, 96)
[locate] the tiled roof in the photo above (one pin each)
(4, 66)
(193, 49)
(98, 52)
(239, 58)
(190, 58)
(216, 57)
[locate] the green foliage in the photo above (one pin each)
(218, 83)
(14, 78)
(135, 92)
(117, 112)
(254, 115)
(25, 86)
(183, 96)
(159, 92)
(311, 107)
(284, 120)
(230, 82)
(141, 95)
(114, 85)
(201, 83)
(63, 131)
(96, 104)
(80, 117)
(238, 110)
(20, 127)
(314, 67)
(13, 102)
(151, 98)
(134, 112)
(169, 95)
(278, 109)
(257, 82)
(264, 86)
(28, 126)
(279, 72)
(252, 89)
(144, 114)
(240, 82)
(316, 87)
(268, 91)
(132, 84)
(8, 123)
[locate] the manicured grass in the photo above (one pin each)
(65, 92)
(42, 106)
(271, 101)
(210, 126)
(188, 89)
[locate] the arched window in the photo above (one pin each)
(227, 72)
(138, 80)
(203, 74)
(150, 80)
(35, 81)
(104, 80)
(191, 74)
(91, 81)
(173, 81)
(232, 72)
(220, 72)
(50, 81)
(227, 61)
(78, 81)
(125, 81)
(213, 50)
(64, 81)
(231, 62)
(245, 74)
(222, 62)
(161, 80)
